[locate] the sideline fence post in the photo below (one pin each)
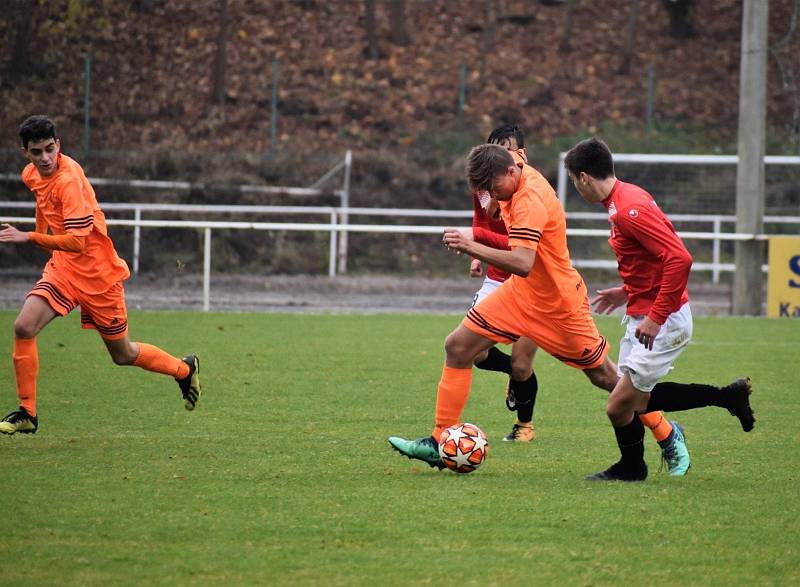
(207, 270)
(562, 181)
(715, 254)
(137, 239)
(345, 201)
(332, 252)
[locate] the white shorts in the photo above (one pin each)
(489, 285)
(645, 366)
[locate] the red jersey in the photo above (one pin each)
(66, 204)
(653, 261)
(490, 231)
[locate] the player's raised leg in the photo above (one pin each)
(676, 397)
(185, 371)
(35, 314)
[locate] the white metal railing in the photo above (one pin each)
(337, 217)
(345, 166)
(335, 227)
(653, 158)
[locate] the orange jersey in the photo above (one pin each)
(535, 220)
(66, 204)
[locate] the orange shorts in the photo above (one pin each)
(105, 312)
(572, 338)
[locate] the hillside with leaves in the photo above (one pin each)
(183, 90)
(156, 81)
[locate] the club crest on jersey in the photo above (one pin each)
(633, 213)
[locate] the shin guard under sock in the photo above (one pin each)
(525, 396)
(630, 439)
(152, 358)
(658, 425)
(451, 398)
(26, 369)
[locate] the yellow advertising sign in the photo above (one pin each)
(783, 285)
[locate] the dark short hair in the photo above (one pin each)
(592, 156)
(484, 163)
(36, 128)
(507, 131)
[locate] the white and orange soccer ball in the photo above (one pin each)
(463, 447)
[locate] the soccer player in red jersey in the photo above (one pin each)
(654, 266)
(84, 269)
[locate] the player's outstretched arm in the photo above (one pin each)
(9, 234)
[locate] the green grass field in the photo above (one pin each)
(283, 476)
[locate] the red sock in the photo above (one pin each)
(26, 368)
(453, 392)
(152, 358)
(658, 425)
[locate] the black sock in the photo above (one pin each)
(496, 360)
(523, 390)
(675, 397)
(630, 439)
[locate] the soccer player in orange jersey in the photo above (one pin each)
(488, 229)
(83, 269)
(654, 266)
(545, 299)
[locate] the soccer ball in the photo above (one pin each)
(463, 447)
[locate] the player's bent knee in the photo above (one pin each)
(123, 356)
(521, 371)
(458, 351)
(24, 329)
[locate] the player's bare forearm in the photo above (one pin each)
(518, 261)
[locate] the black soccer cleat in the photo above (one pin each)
(740, 391)
(19, 421)
(190, 385)
(619, 472)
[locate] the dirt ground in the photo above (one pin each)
(320, 294)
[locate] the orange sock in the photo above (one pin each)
(451, 398)
(152, 358)
(26, 368)
(658, 425)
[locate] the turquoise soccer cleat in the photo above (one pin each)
(423, 449)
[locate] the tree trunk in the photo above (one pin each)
(630, 39)
(569, 13)
(370, 27)
(22, 25)
(397, 19)
(489, 33)
(220, 62)
(680, 24)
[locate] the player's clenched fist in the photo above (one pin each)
(457, 239)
